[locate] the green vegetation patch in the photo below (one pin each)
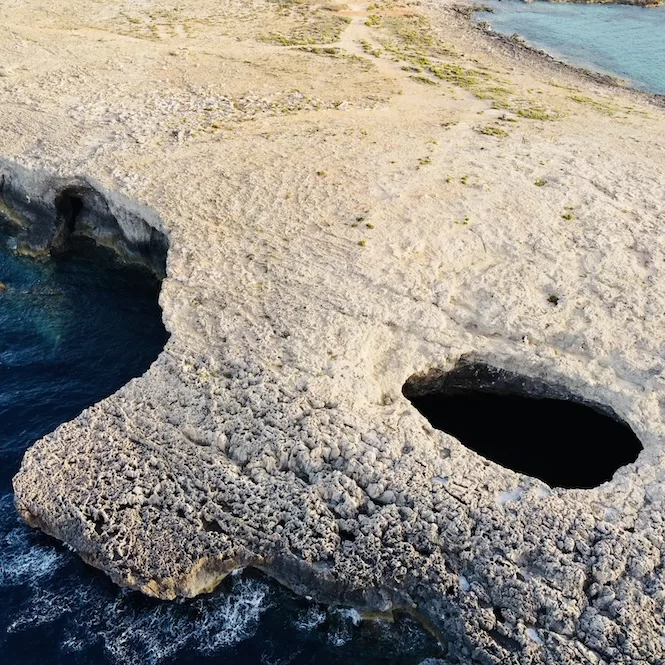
(601, 107)
(424, 80)
(493, 130)
(410, 38)
(537, 112)
(319, 27)
(330, 51)
(153, 25)
(370, 49)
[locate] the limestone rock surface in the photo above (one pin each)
(350, 202)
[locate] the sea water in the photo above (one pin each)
(625, 41)
(72, 331)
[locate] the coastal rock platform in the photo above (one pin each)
(354, 198)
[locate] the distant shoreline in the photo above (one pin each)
(647, 4)
(517, 43)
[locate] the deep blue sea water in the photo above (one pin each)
(72, 331)
(622, 40)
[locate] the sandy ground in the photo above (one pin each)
(355, 194)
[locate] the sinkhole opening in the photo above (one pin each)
(524, 424)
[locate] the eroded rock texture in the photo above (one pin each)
(380, 516)
(325, 246)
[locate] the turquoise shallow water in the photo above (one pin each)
(628, 42)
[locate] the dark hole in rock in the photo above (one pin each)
(526, 425)
(508, 643)
(348, 536)
(212, 526)
(99, 525)
(68, 206)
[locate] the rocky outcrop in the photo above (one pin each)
(320, 256)
(217, 461)
(379, 515)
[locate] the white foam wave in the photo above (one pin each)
(42, 608)
(311, 619)
(22, 561)
(341, 631)
(150, 635)
(238, 615)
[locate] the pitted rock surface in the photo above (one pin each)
(325, 248)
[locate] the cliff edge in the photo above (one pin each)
(356, 196)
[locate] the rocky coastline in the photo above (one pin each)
(647, 4)
(517, 46)
(426, 201)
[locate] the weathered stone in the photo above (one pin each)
(314, 266)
